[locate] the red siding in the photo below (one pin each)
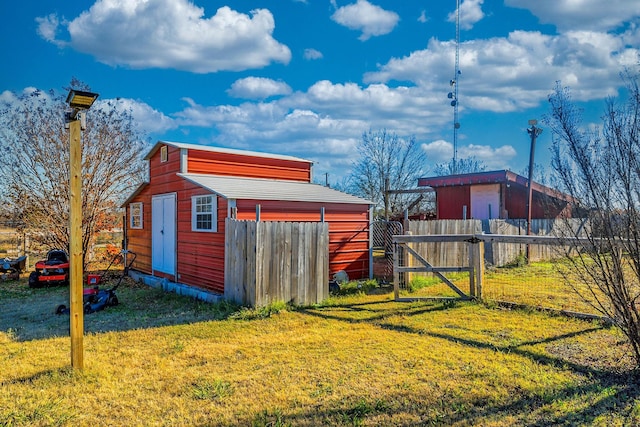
(348, 229)
(516, 201)
(200, 255)
(450, 202)
(453, 192)
(139, 240)
(248, 166)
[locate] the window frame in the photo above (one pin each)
(213, 213)
(164, 154)
(132, 216)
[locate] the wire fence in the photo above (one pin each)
(515, 272)
(14, 244)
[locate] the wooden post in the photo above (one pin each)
(396, 274)
(472, 273)
(408, 260)
(75, 246)
(405, 221)
(478, 268)
(258, 208)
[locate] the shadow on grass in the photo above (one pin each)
(29, 314)
(64, 373)
(445, 408)
(607, 389)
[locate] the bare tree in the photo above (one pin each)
(459, 166)
(387, 162)
(600, 168)
(34, 165)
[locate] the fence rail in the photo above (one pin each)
(497, 252)
(267, 262)
(481, 285)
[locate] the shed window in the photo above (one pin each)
(204, 213)
(135, 215)
(164, 154)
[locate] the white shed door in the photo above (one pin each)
(485, 201)
(163, 233)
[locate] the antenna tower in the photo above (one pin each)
(453, 95)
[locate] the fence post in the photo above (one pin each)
(396, 274)
(408, 260)
(472, 264)
(478, 268)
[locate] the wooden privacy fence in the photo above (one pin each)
(267, 262)
(497, 252)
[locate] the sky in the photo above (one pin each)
(307, 78)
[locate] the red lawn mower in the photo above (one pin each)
(96, 299)
(54, 270)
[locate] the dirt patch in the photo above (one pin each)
(612, 353)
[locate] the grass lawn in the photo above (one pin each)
(539, 284)
(160, 359)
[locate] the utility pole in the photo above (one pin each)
(533, 132)
(453, 95)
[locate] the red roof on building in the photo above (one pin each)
(491, 177)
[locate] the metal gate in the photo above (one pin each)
(382, 248)
(405, 254)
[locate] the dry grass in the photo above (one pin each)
(159, 359)
(539, 284)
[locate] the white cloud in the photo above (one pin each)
(48, 29)
(363, 16)
(500, 74)
(470, 13)
(310, 54)
(592, 15)
(258, 88)
(423, 17)
(517, 72)
(147, 118)
(438, 151)
(172, 34)
(7, 97)
(492, 157)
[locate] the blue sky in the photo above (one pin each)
(308, 77)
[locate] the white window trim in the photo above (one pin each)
(164, 154)
(131, 216)
(214, 214)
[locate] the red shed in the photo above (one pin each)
(495, 194)
(175, 221)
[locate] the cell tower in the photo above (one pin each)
(453, 95)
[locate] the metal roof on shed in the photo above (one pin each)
(270, 189)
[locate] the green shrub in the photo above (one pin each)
(420, 282)
(357, 287)
(261, 312)
(520, 261)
